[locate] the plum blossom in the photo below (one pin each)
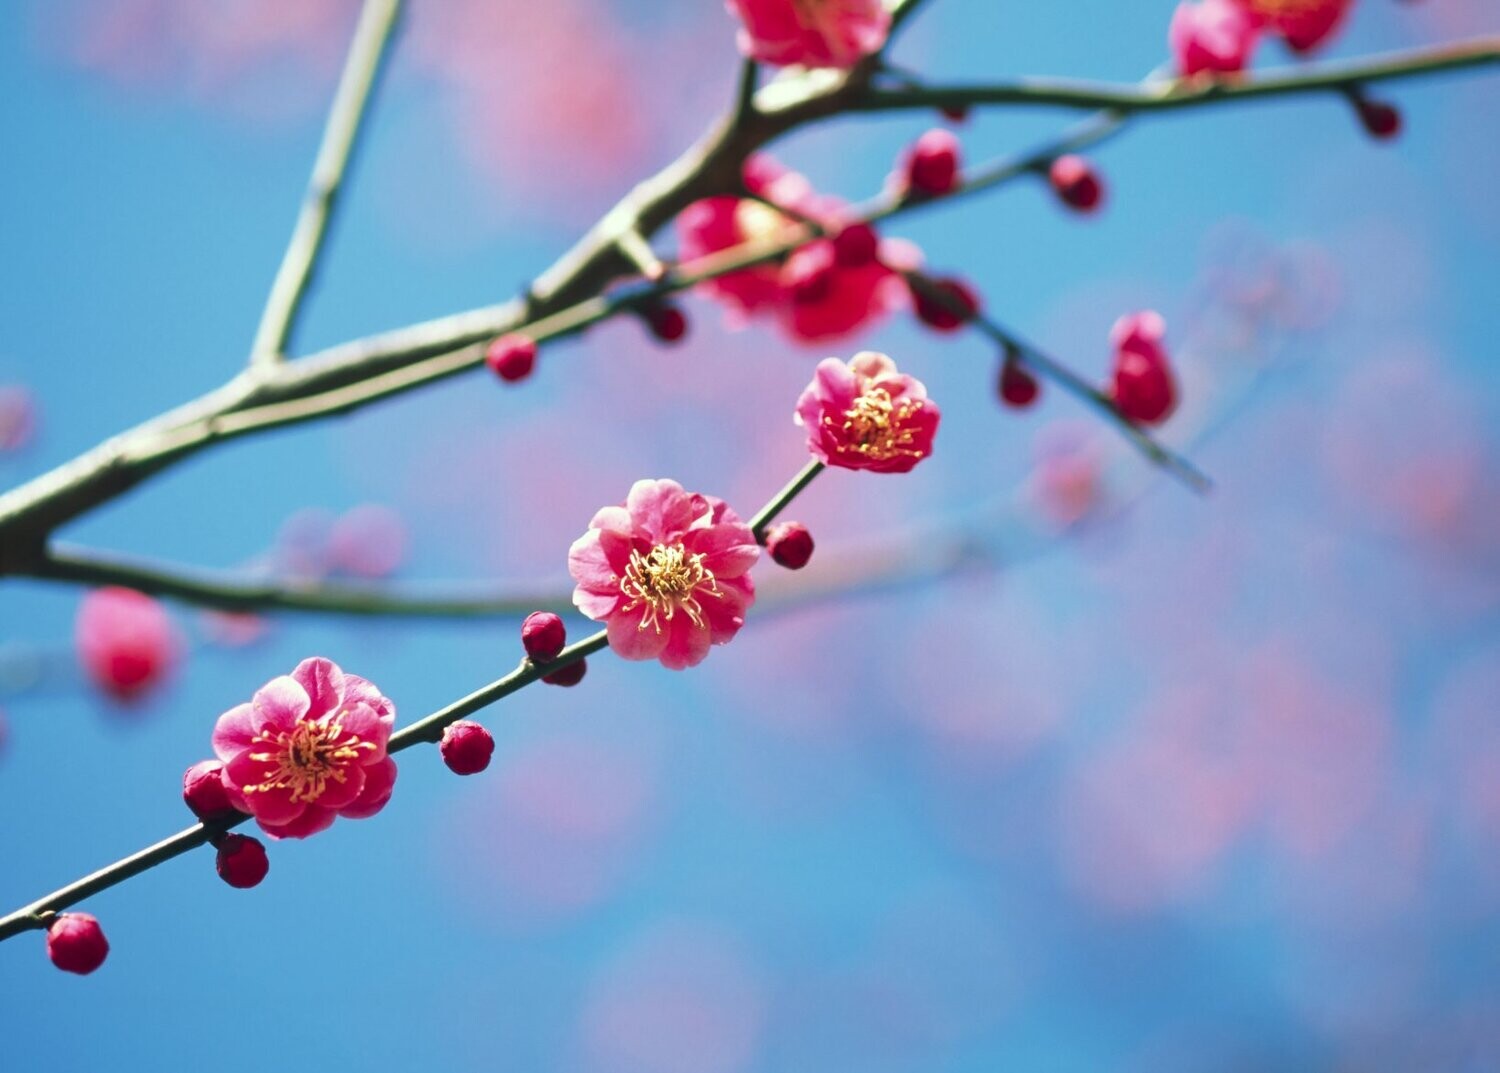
(125, 641)
(667, 572)
(1303, 24)
(864, 414)
(811, 33)
(310, 746)
(1143, 386)
(827, 289)
(1212, 37)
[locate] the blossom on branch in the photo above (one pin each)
(668, 572)
(1303, 24)
(1144, 389)
(310, 746)
(864, 414)
(125, 641)
(811, 33)
(1212, 37)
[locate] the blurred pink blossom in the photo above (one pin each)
(17, 417)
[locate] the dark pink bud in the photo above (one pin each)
(1381, 121)
(1076, 183)
(126, 642)
(856, 246)
(953, 304)
(570, 675)
(1018, 388)
(665, 321)
(76, 943)
(466, 747)
(203, 790)
(543, 635)
(511, 357)
(932, 163)
(808, 273)
(242, 861)
(1143, 389)
(956, 113)
(790, 544)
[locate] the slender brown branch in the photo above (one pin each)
(372, 35)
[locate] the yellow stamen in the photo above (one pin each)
(307, 757)
(879, 426)
(667, 580)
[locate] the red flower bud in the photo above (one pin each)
(1381, 121)
(203, 790)
(665, 321)
(1018, 388)
(511, 357)
(76, 943)
(808, 273)
(1076, 183)
(932, 163)
(940, 310)
(1143, 387)
(543, 635)
(242, 861)
(790, 544)
(856, 246)
(466, 747)
(570, 675)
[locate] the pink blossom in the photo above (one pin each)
(76, 943)
(307, 748)
(1214, 36)
(1304, 24)
(930, 165)
(368, 541)
(17, 417)
(667, 572)
(866, 415)
(827, 289)
(811, 33)
(1143, 388)
(125, 640)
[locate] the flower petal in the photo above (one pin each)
(323, 682)
(233, 732)
(380, 780)
(687, 644)
(629, 641)
(280, 703)
(313, 819)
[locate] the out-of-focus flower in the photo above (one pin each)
(1143, 386)
(826, 289)
(368, 541)
(811, 33)
(667, 572)
(511, 357)
(1381, 120)
(17, 417)
(307, 748)
(946, 305)
(466, 747)
(125, 640)
(1018, 388)
(1212, 36)
(1304, 24)
(1076, 183)
(864, 414)
(241, 861)
(76, 943)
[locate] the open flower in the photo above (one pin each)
(1214, 36)
(1304, 24)
(811, 33)
(667, 572)
(308, 747)
(866, 415)
(126, 642)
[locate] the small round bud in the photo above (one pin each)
(242, 861)
(570, 675)
(1143, 388)
(790, 544)
(203, 790)
(76, 943)
(665, 321)
(1018, 388)
(956, 113)
(511, 357)
(856, 246)
(947, 305)
(932, 163)
(543, 635)
(1076, 183)
(1381, 121)
(466, 747)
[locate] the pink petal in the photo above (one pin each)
(323, 682)
(660, 509)
(367, 725)
(589, 563)
(336, 794)
(380, 780)
(629, 641)
(313, 819)
(271, 806)
(280, 703)
(686, 646)
(596, 605)
(233, 732)
(359, 691)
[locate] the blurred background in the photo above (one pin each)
(1076, 771)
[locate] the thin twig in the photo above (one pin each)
(372, 36)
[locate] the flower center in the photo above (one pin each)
(664, 581)
(758, 222)
(306, 758)
(878, 427)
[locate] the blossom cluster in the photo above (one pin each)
(1217, 37)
